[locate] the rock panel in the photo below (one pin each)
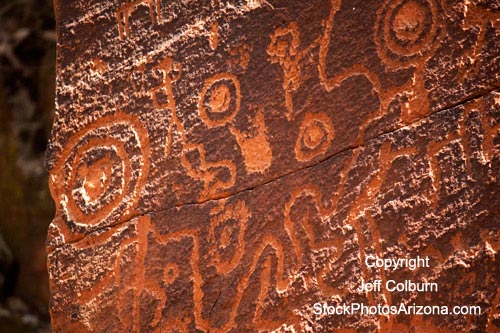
(224, 166)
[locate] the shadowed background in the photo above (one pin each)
(27, 56)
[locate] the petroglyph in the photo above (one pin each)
(226, 168)
(171, 72)
(407, 30)
(307, 220)
(98, 180)
(227, 236)
(124, 11)
(284, 50)
(254, 146)
(220, 99)
(163, 98)
(313, 217)
(219, 103)
(315, 136)
(217, 177)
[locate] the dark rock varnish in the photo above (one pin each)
(221, 166)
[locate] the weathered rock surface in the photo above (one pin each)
(224, 165)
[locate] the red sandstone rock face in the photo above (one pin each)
(223, 166)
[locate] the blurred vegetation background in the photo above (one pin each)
(27, 85)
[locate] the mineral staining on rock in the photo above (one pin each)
(223, 166)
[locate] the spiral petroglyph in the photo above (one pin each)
(407, 30)
(98, 179)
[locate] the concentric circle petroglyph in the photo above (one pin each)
(315, 136)
(99, 176)
(219, 99)
(407, 30)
